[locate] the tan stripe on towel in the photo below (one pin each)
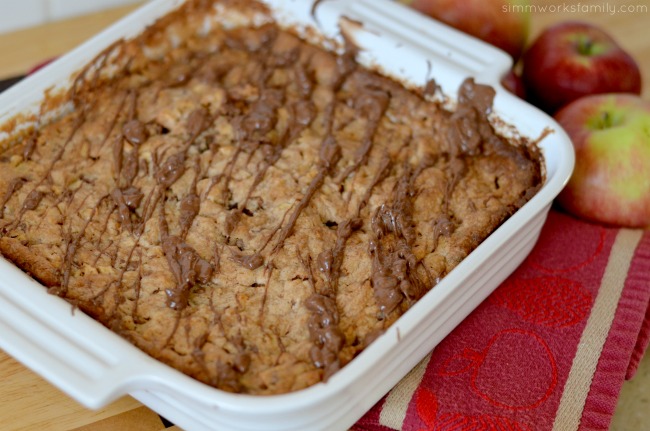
(393, 411)
(595, 333)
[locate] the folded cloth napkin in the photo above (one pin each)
(548, 350)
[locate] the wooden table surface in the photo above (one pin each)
(27, 402)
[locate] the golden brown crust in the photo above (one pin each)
(31, 263)
(251, 209)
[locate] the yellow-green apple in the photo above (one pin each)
(502, 23)
(573, 59)
(611, 180)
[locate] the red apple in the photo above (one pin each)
(502, 23)
(512, 82)
(574, 59)
(611, 180)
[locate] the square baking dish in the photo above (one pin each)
(95, 366)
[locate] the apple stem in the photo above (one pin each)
(585, 46)
(605, 121)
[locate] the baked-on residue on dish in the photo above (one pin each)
(248, 208)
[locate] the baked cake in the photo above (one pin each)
(249, 208)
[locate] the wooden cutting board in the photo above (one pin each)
(28, 402)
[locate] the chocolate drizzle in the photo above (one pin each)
(135, 132)
(188, 269)
(251, 262)
(14, 185)
(394, 264)
(171, 169)
(372, 105)
(123, 210)
(323, 329)
(185, 264)
(190, 206)
(329, 155)
(72, 245)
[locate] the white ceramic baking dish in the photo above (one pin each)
(95, 366)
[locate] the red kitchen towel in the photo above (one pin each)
(548, 350)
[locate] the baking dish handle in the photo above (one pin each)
(419, 47)
(61, 344)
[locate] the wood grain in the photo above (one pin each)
(28, 402)
(21, 50)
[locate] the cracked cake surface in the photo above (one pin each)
(248, 208)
